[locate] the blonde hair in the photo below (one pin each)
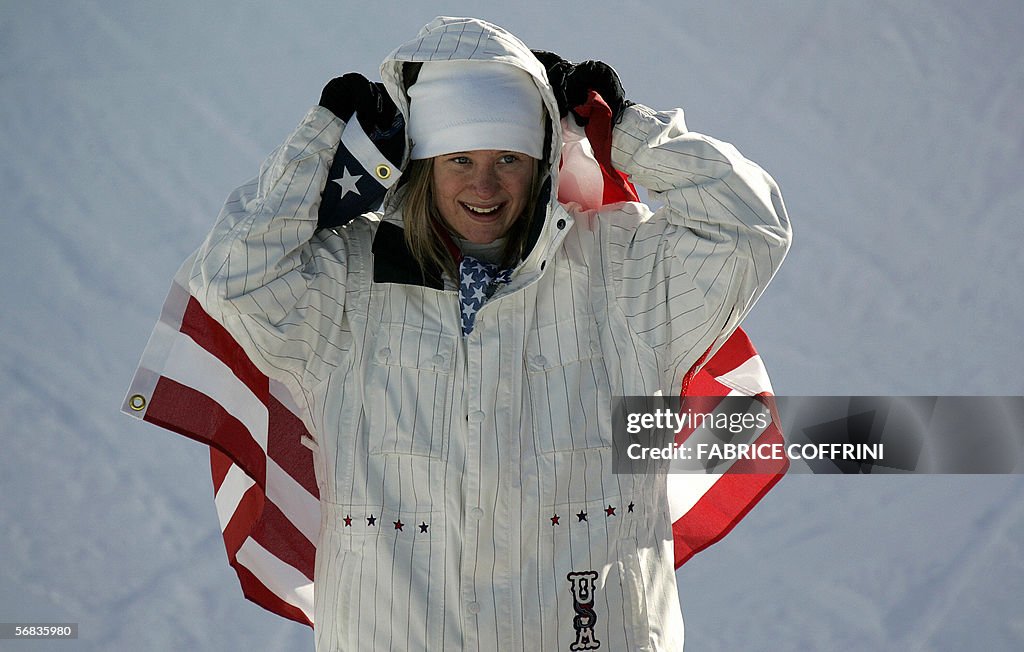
(422, 220)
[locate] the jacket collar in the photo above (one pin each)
(394, 263)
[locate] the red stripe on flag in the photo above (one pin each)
(727, 501)
(284, 445)
(220, 464)
(696, 404)
(704, 384)
(188, 412)
(617, 187)
(734, 352)
(213, 337)
(243, 519)
(281, 538)
(254, 590)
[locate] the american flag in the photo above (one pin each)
(195, 380)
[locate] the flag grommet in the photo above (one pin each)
(382, 171)
(137, 402)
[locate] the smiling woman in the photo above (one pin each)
(453, 355)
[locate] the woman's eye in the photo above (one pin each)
(509, 158)
(461, 160)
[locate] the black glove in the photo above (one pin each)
(377, 113)
(572, 83)
(354, 186)
(557, 68)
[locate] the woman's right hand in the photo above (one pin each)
(373, 107)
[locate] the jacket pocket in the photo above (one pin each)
(637, 625)
(332, 603)
(408, 390)
(586, 599)
(383, 571)
(568, 383)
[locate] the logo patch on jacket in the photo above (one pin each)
(582, 585)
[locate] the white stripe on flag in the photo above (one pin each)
(749, 379)
(298, 505)
(280, 578)
(685, 489)
(195, 367)
(234, 486)
(363, 150)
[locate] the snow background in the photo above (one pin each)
(895, 129)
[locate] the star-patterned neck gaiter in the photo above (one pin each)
(477, 283)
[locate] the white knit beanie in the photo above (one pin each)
(459, 106)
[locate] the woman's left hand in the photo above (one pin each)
(572, 84)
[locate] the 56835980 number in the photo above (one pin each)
(38, 630)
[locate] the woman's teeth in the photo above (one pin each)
(481, 211)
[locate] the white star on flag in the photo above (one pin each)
(348, 182)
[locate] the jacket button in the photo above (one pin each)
(476, 417)
(473, 608)
(438, 360)
(540, 361)
(561, 224)
(383, 354)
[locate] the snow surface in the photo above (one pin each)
(896, 130)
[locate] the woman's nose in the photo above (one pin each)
(486, 183)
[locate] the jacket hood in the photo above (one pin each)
(471, 39)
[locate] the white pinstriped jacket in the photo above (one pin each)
(465, 482)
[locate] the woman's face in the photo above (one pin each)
(480, 194)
